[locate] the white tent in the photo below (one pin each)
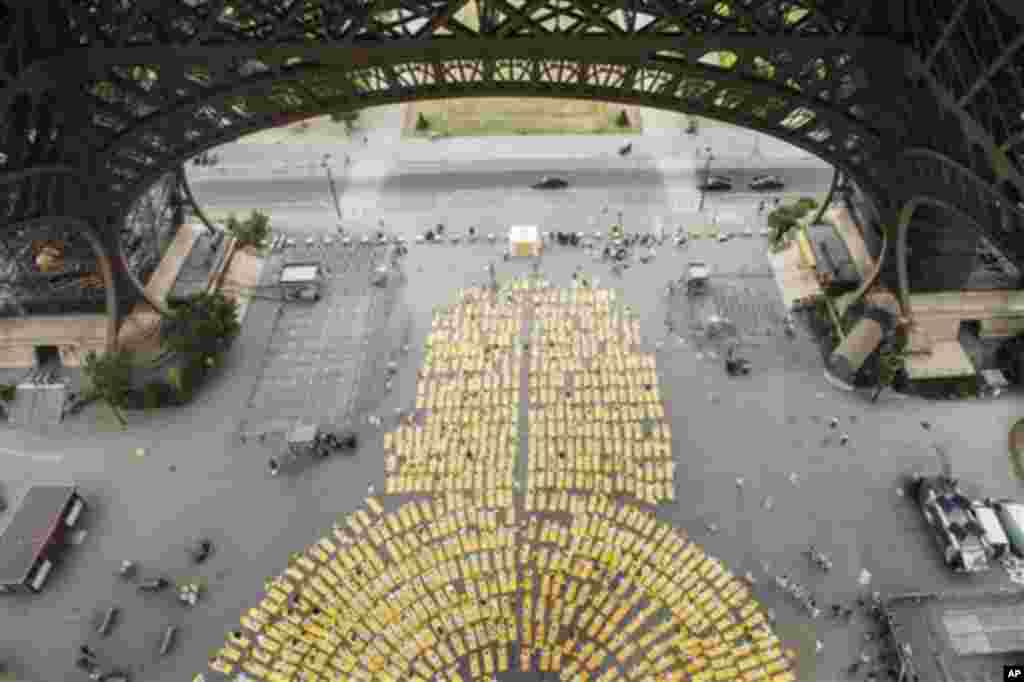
(524, 240)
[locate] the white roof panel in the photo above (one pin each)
(524, 233)
(292, 274)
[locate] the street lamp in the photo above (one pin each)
(330, 184)
(707, 177)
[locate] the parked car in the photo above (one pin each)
(716, 183)
(952, 520)
(548, 182)
(1011, 516)
(766, 182)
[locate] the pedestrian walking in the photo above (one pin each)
(370, 489)
(833, 422)
(768, 503)
(492, 271)
(366, 140)
(760, 207)
(818, 646)
(794, 478)
(844, 439)
(739, 484)
(348, 160)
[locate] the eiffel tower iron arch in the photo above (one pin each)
(126, 90)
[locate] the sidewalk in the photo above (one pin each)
(384, 148)
(240, 280)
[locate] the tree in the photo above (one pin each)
(349, 118)
(204, 326)
(781, 221)
(422, 123)
(622, 120)
(199, 331)
(803, 206)
(109, 380)
(786, 217)
(251, 231)
(891, 358)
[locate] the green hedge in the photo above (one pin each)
(157, 394)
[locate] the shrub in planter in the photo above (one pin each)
(422, 123)
(157, 394)
(622, 120)
(7, 392)
(184, 380)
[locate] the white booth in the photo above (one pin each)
(524, 240)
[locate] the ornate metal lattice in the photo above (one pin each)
(99, 98)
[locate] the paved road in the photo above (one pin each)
(499, 188)
(195, 478)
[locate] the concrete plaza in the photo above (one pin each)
(194, 477)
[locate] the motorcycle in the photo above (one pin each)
(127, 569)
(154, 585)
(97, 674)
(820, 559)
(737, 367)
(625, 150)
(201, 550)
(789, 327)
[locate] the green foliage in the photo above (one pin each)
(349, 118)
(7, 392)
(622, 120)
(205, 325)
(199, 331)
(109, 379)
(157, 394)
(782, 220)
(251, 231)
(804, 205)
(422, 123)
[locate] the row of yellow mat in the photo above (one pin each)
(407, 510)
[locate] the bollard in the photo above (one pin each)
(167, 643)
(109, 619)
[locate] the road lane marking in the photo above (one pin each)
(33, 456)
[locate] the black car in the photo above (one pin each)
(548, 182)
(717, 183)
(766, 182)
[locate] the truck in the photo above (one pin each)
(37, 534)
(952, 520)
